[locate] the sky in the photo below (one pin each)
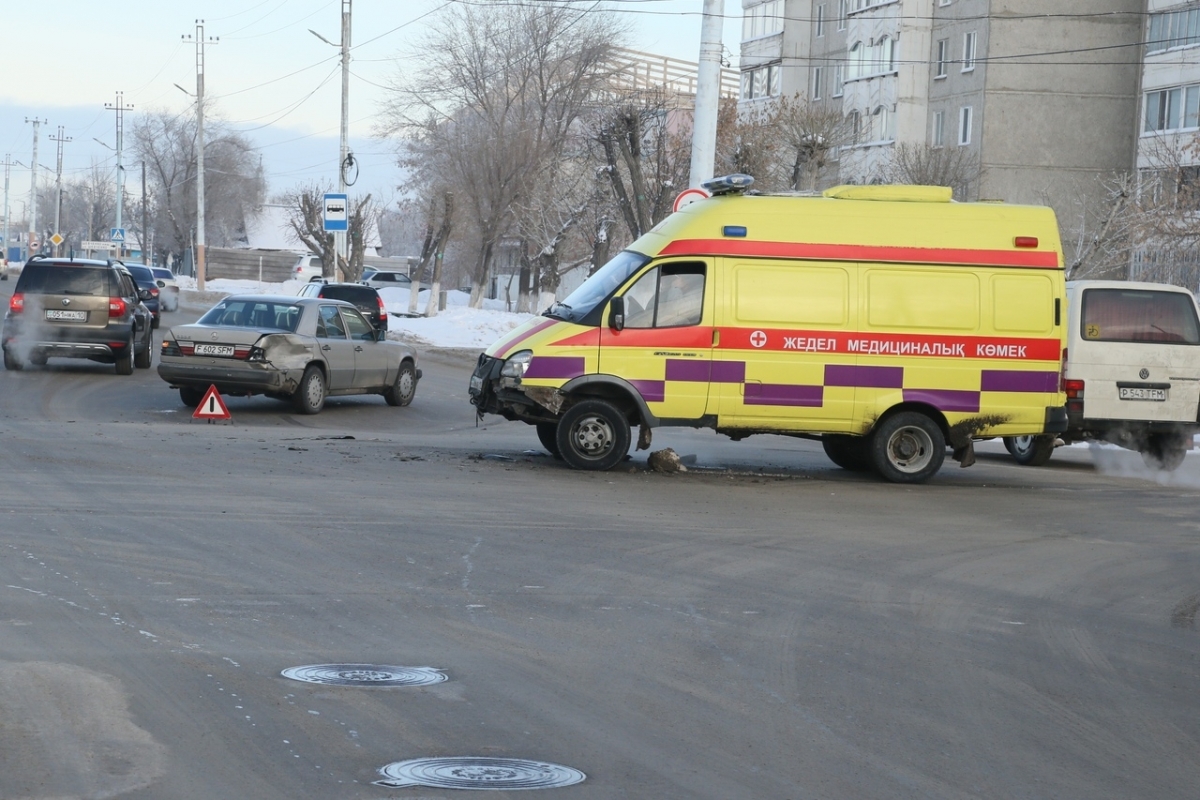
(63, 60)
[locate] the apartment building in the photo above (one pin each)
(1170, 115)
(1043, 96)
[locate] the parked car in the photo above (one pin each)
(77, 308)
(387, 279)
(301, 349)
(365, 298)
(1132, 373)
(168, 288)
(307, 267)
(145, 280)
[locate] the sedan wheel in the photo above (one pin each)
(401, 392)
(310, 394)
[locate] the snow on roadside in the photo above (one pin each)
(458, 326)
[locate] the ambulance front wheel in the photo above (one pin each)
(908, 447)
(593, 435)
(1030, 451)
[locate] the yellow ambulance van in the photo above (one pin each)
(887, 321)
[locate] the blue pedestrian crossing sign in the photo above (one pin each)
(116, 235)
(336, 216)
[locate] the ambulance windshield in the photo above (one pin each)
(598, 288)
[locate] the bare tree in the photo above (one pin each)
(307, 220)
(926, 165)
(501, 89)
(749, 142)
(643, 143)
(233, 181)
(810, 136)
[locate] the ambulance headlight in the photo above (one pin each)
(516, 364)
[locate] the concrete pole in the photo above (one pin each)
(120, 107)
(60, 139)
(708, 93)
(200, 42)
(7, 172)
(344, 239)
(33, 235)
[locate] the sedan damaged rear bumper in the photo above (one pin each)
(230, 377)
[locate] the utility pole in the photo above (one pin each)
(61, 140)
(120, 108)
(200, 41)
(345, 159)
(33, 240)
(708, 93)
(145, 237)
(7, 173)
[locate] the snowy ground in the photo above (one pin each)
(458, 326)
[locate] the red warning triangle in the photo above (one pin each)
(212, 406)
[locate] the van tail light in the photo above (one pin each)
(16, 303)
(1074, 389)
(116, 307)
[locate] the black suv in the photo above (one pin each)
(77, 308)
(365, 298)
(145, 279)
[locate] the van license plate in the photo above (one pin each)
(1131, 393)
(72, 316)
(220, 350)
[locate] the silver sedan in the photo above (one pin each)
(288, 348)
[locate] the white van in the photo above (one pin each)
(1132, 372)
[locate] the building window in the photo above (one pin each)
(938, 135)
(820, 22)
(855, 126)
(857, 67)
(841, 20)
(943, 55)
(887, 54)
(964, 125)
(968, 59)
(943, 2)
(761, 82)
(881, 125)
(763, 19)
(1173, 29)
(1173, 109)
(839, 79)
(818, 82)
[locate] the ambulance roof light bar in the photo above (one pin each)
(728, 184)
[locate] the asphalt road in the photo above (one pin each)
(763, 626)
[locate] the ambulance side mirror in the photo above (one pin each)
(616, 314)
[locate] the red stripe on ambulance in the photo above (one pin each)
(1036, 259)
(890, 344)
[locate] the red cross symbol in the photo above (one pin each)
(758, 339)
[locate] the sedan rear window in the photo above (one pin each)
(45, 279)
(1132, 315)
(140, 273)
(253, 314)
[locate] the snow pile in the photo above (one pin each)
(457, 326)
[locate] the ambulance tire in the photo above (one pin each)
(1165, 451)
(1030, 451)
(593, 435)
(908, 447)
(851, 453)
(548, 435)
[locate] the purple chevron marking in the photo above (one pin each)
(651, 391)
(866, 377)
(944, 399)
(1003, 380)
(555, 367)
(776, 394)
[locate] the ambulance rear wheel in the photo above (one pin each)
(548, 435)
(1030, 451)
(908, 447)
(593, 435)
(851, 453)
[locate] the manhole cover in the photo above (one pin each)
(365, 675)
(471, 772)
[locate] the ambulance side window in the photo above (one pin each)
(670, 296)
(640, 301)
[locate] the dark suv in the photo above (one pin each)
(77, 308)
(365, 298)
(145, 279)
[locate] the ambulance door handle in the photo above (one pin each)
(716, 337)
(1057, 311)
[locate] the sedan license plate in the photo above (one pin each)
(71, 316)
(1137, 393)
(476, 383)
(214, 350)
